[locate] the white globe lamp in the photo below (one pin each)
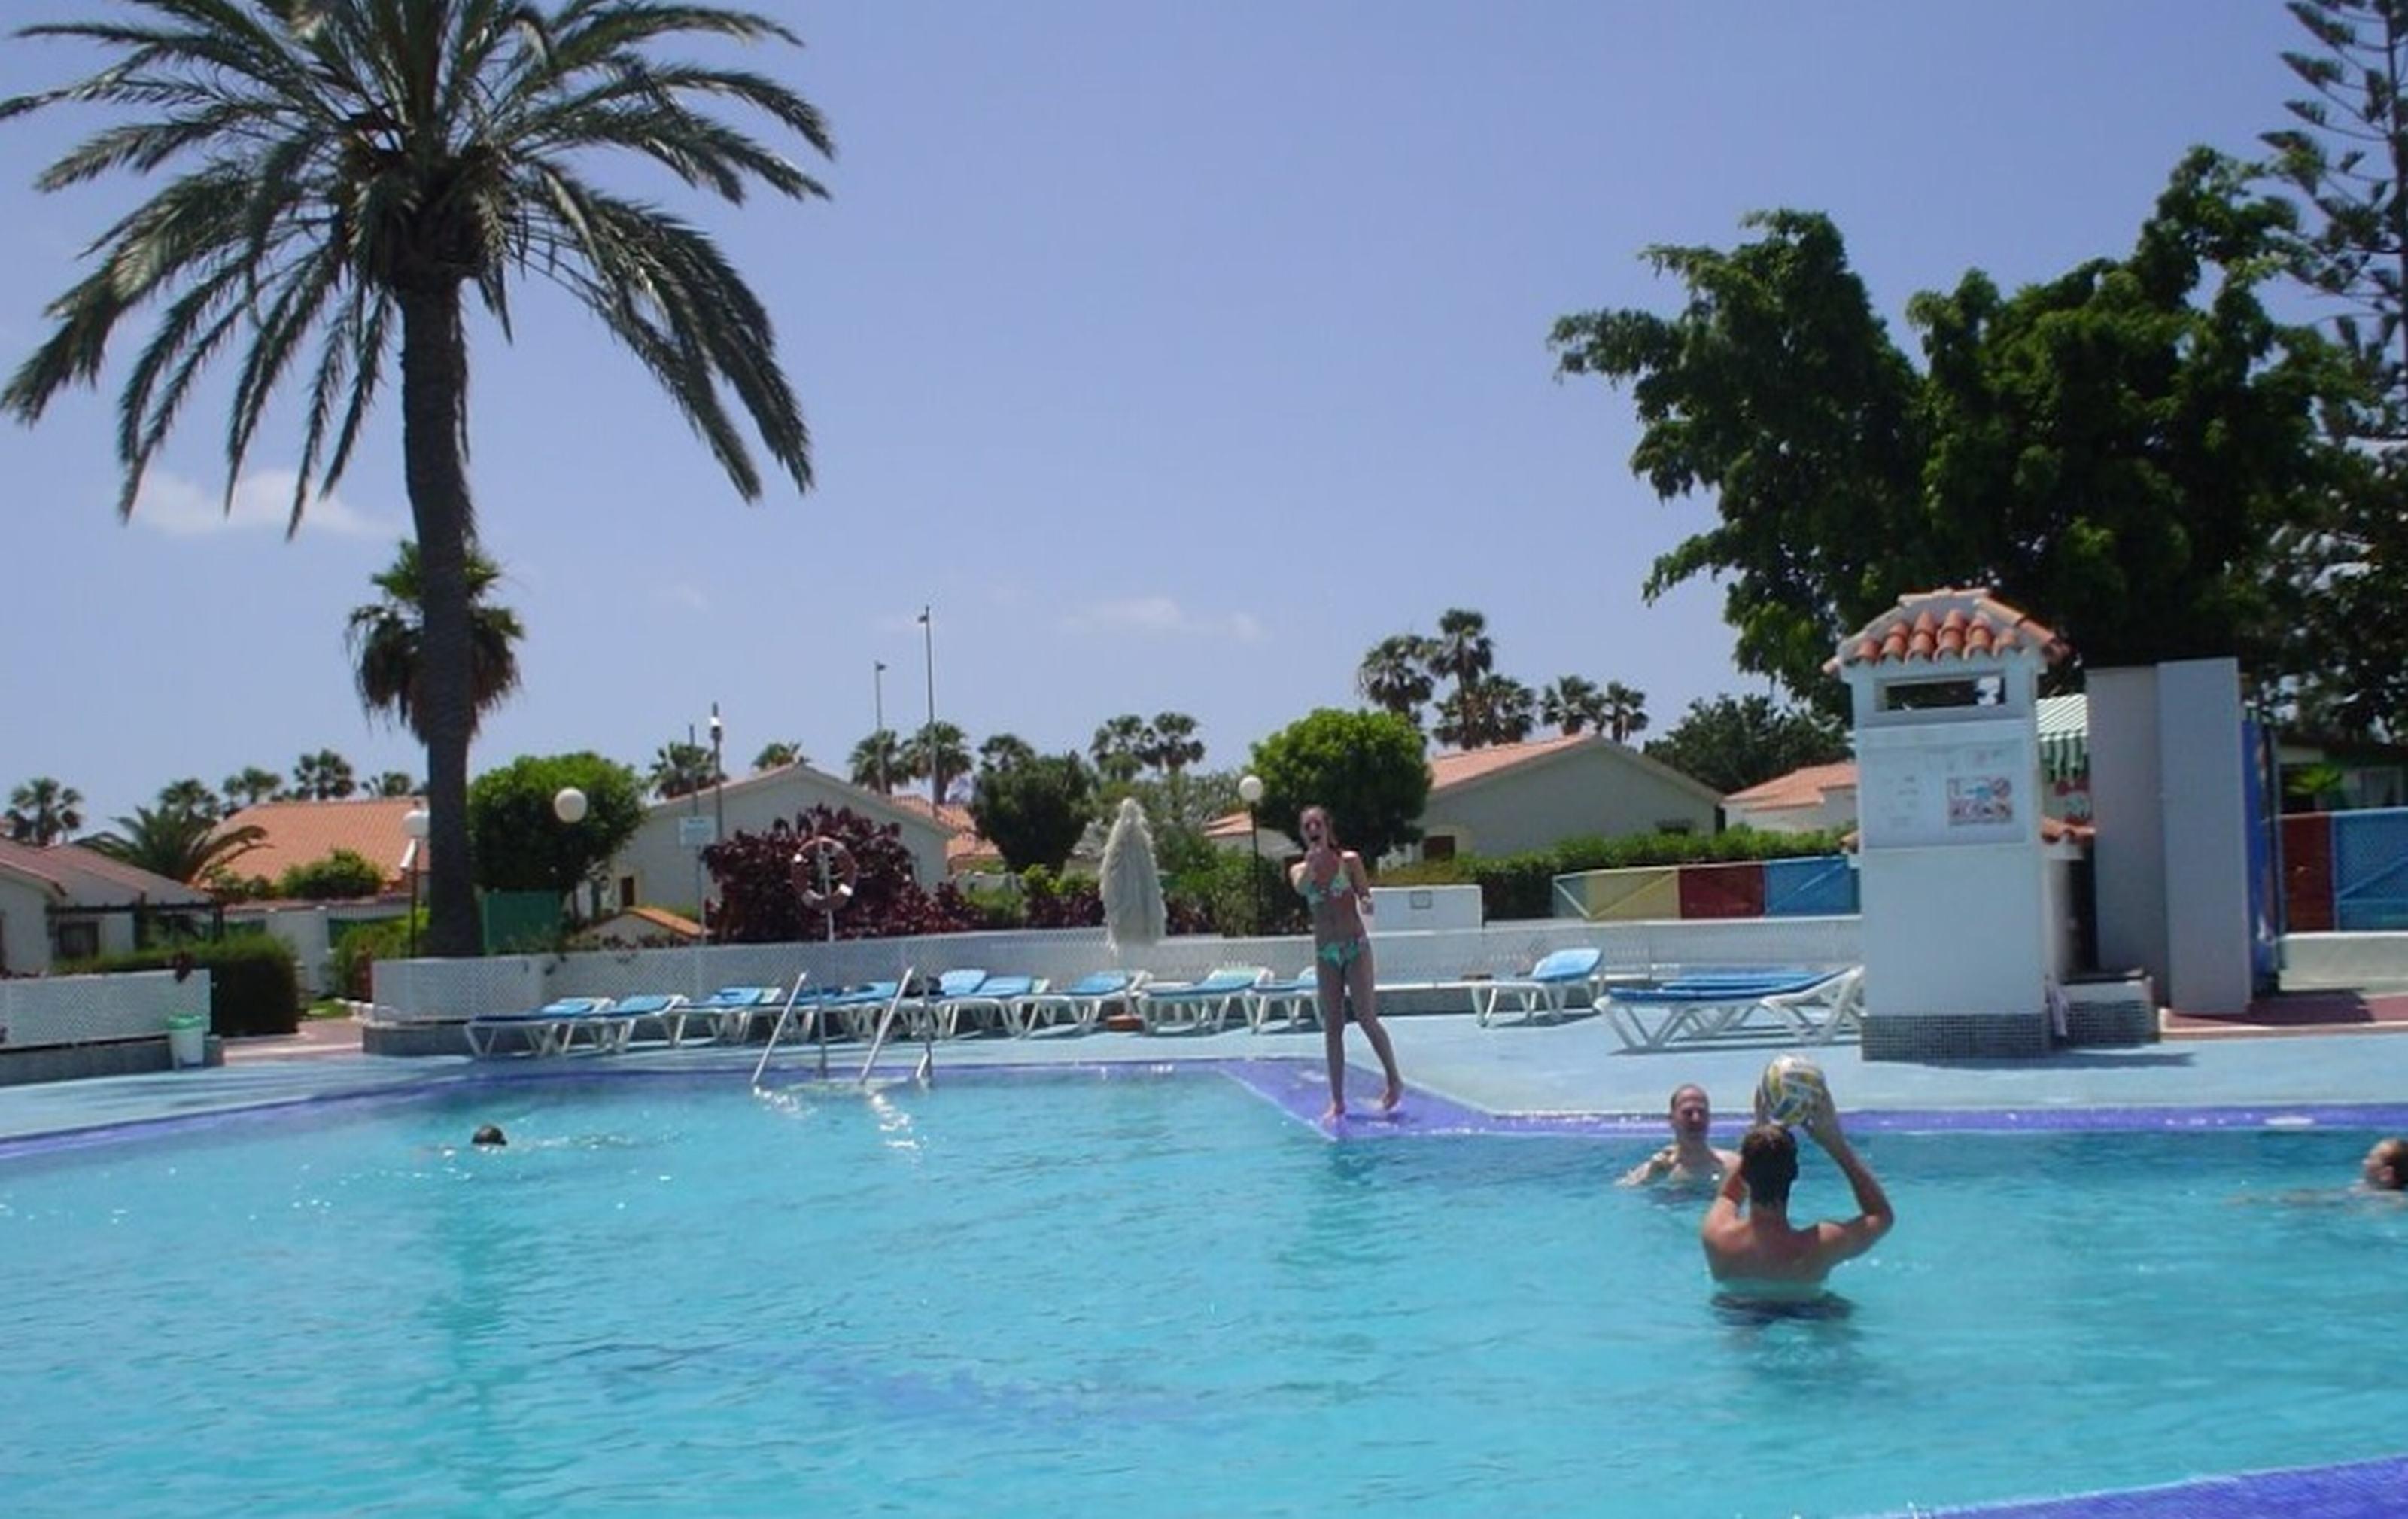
(568, 806)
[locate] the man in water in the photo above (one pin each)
(1689, 1160)
(2385, 1167)
(489, 1138)
(1754, 1251)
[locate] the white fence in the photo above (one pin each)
(439, 990)
(83, 1010)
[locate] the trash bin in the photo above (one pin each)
(188, 1039)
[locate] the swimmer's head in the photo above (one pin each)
(1768, 1158)
(1690, 1111)
(490, 1137)
(2385, 1167)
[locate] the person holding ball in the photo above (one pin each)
(1751, 1249)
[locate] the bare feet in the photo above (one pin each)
(1336, 1111)
(1396, 1095)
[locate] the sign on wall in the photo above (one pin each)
(1947, 784)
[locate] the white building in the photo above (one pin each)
(65, 901)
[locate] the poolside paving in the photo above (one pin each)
(1570, 1069)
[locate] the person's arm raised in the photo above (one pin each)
(1874, 1216)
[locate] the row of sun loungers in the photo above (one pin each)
(1812, 1006)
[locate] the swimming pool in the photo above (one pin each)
(1155, 1296)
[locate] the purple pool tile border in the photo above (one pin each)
(2352, 1490)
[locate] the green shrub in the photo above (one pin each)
(254, 987)
(339, 876)
(357, 951)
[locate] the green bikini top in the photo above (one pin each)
(1317, 892)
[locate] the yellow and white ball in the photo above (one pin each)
(1792, 1089)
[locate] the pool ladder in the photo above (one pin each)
(923, 1074)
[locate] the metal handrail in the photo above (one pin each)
(779, 1028)
(886, 1024)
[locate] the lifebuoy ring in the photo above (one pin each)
(822, 858)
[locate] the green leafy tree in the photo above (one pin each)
(939, 751)
(774, 755)
(43, 811)
(1119, 746)
(877, 761)
(2115, 451)
(342, 876)
(348, 171)
(1034, 811)
(682, 768)
(1366, 767)
(2348, 155)
(1394, 677)
(388, 641)
(250, 786)
(322, 776)
(1733, 742)
(521, 843)
(178, 842)
(1171, 743)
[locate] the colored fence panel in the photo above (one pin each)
(1821, 886)
(1622, 896)
(1729, 891)
(2369, 870)
(2307, 873)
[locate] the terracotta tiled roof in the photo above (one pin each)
(64, 866)
(27, 859)
(1803, 788)
(303, 832)
(1456, 767)
(1957, 623)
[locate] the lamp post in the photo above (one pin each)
(935, 771)
(718, 780)
(413, 823)
(877, 728)
(568, 806)
(1250, 791)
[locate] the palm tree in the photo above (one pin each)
(42, 811)
(774, 755)
(176, 842)
(876, 760)
(346, 172)
(1463, 651)
(938, 751)
(1171, 743)
(1005, 751)
(1118, 747)
(1626, 711)
(324, 776)
(682, 768)
(1394, 677)
(192, 795)
(1572, 703)
(250, 787)
(393, 783)
(388, 638)
(1491, 709)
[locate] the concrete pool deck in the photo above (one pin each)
(1570, 1070)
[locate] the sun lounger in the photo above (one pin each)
(987, 1007)
(729, 1013)
(1296, 1000)
(548, 1030)
(1198, 1006)
(1078, 1004)
(665, 1012)
(1804, 1006)
(1560, 982)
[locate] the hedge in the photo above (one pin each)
(254, 988)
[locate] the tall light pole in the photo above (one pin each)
(413, 823)
(935, 771)
(878, 734)
(1250, 791)
(718, 780)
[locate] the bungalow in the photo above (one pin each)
(65, 901)
(1516, 798)
(304, 833)
(657, 866)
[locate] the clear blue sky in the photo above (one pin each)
(1174, 353)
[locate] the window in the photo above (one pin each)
(78, 939)
(1676, 825)
(627, 892)
(1925, 695)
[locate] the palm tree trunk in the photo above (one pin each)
(434, 390)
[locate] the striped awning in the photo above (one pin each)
(2064, 736)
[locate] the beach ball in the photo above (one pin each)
(1792, 1088)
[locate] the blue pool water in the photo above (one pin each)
(1140, 1297)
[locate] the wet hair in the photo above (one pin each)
(2394, 1153)
(1675, 1100)
(1768, 1158)
(491, 1134)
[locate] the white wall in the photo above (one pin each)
(1836, 809)
(1584, 791)
(24, 927)
(1959, 930)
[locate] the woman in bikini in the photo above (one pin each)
(1338, 894)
